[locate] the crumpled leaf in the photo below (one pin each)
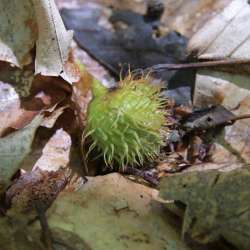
(37, 23)
(14, 148)
(217, 204)
(112, 212)
(16, 112)
(53, 42)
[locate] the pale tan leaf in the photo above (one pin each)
(119, 214)
(225, 36)
(53, 42)
(189, 16)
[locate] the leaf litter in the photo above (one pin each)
(202, 163)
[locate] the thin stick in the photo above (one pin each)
(208, 64)
(240, 117)
(46, 233)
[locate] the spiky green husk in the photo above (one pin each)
(126, 124)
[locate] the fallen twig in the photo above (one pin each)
(240, 117)
(46, 233)
(197, 65)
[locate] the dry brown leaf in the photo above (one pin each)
(82, 95)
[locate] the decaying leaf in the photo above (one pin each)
(37, 188)
(220, 159)
(111, 212)
(20, 79)
(14, 148)
(217, 204)
(211, 85)
(13, 237)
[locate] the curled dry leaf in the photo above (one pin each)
(16, 113)
(82, 94)
(19, 104)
